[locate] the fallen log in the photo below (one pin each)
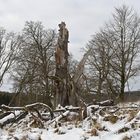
(21, 116)
(29, 108)
(10, 113)
(7, 108)
(2, 115)
(105, 103)
(9, 118)
(63, 115)
(41, 104)
(69, 109)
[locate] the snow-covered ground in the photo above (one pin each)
(102, 123)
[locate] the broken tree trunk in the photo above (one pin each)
(62, 74)
(76, 79)
(80, 68)
(66, 86)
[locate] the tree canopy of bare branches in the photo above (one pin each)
(115, 49)
(35, 61)
(9, 43)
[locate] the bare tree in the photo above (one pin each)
(98, 61)
(36, 61)
(9, 43)
(124, 32)
(120, 40)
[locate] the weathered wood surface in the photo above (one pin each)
(61, 58)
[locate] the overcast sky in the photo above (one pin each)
(82, 17)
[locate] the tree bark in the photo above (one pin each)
(62, 74)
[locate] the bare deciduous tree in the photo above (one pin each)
(36, 61)
(125, 35)
(115, 49)
(98, 62)
(9, 43)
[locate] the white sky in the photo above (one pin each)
(82, 17)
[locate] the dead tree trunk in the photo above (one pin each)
(62, 74)
(66, 86)
(80, 67)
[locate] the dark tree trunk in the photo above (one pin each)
(62, 74)
(121, 96)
